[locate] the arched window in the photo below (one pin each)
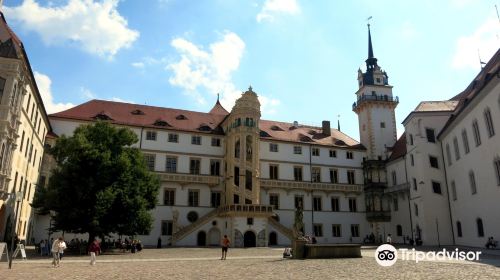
(459, 229)
(237, 149)
(472, 181)
(480, 228)
(489, 122)
(399, 230)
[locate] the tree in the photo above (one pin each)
(101, 184)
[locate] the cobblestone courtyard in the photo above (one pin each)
(256, 263)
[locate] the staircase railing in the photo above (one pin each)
(281, 228)
(191, 227)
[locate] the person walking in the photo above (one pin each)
(94, 250)
(55, 252)
(225, 246)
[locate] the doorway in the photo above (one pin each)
(249, 239)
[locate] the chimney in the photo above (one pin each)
(326, 128)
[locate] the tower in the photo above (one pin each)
(242, 154)
(375, 107)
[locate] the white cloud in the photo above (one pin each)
(138, 64)
(272, 7)
(210, 71)
(95, 26)
(87, 94)
(44, 83)
(485, 39)
(408, 32)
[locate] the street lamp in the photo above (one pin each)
(17, 197)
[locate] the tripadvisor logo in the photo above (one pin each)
(386, 255)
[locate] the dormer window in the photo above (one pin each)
(102, 116)
(181, 117)
(204, 127)
(276, 128)
(378, 80)
(160, 122)
(137, 112)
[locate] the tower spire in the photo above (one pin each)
(370, 47)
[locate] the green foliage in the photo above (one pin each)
(101, 184)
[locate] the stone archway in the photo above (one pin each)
(249, 239)
(214, 237)
(273, 238)
(202, 239)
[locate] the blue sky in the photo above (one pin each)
(300, 56)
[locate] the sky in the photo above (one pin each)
(301, 57)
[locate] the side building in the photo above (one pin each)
(23, 126)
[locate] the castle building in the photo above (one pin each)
(231, 172)
(23, 126)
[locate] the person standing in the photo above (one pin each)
(389, 239)
(62, 247)
(94, 250)
(225, 246)
(55, 252)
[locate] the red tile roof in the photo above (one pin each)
(183, 120)
(399, 148)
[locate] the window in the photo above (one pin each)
(412, 161)
(169, 197)
(480, 228)
(416, 209)
(297, 150)
(496, 166)
(22, 140)
(334, 176)
(237, 149)
(273, 172)
(455, 146)
(430, 135)
(171, 164)
(395, 203)
(489, 122)
(317, 203)
(472, 181)
(411, 139)
(316, 174)
(333, 153)
(315, 152)
(173, 138)
(215, 142)
(349, 155)
(350, 177)
(27, 145)
(434, 162)
(2, 87)
(336, 230)
(248, 180)
(382, 125)
(394, 179)
(150, 161)
(166, 227)
(414, 183)
(448, 154)
(249, 221)
(297, 173)
(436, 187)
(355, 230)
(214, 167)
(453, 190)
(151, 135)
(477, 134)
(274, 199)
(399, 230)
(215, 199)
(318, 230)
(335, 204)
(466, 141)
(273, 147)
(459, 229)
(299, 201)
(194, 166)
(195, 140)
(194, 198)
(236, 176)
(352, 205)
(236, 199)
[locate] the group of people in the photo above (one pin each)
(58, 246)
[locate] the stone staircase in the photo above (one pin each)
(183, 232)
(281, 228)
